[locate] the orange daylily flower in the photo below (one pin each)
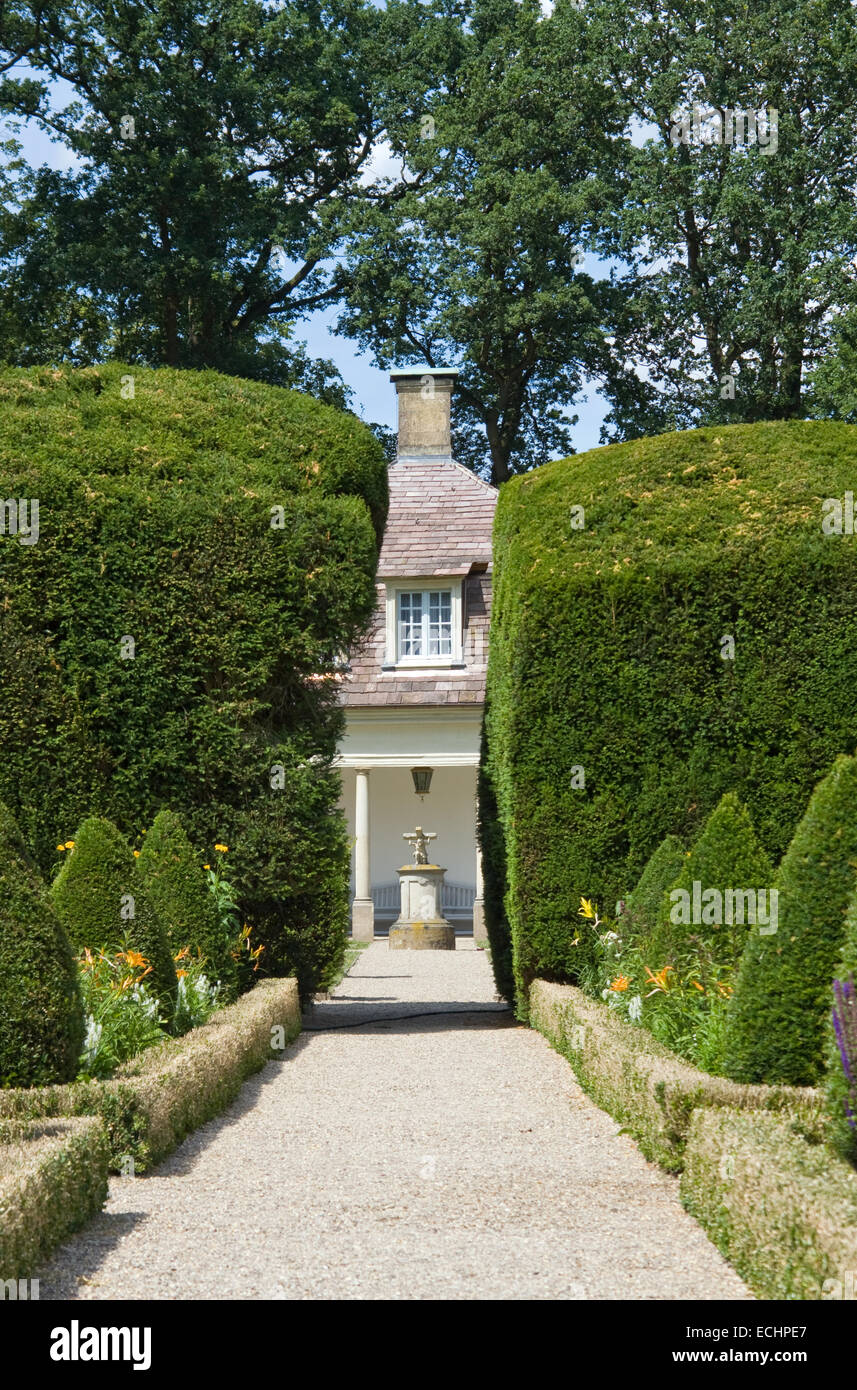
(659, 980)
(620, 984)
(133, 958)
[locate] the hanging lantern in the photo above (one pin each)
(422, 779)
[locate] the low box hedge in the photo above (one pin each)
(154, 1101)
(783, 1211)
(648, 1089)
(53, 1178)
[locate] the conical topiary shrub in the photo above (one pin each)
(776, 1021)
(101, 900)
(41, 1018)
(727, 858)
(175, 881)
(643, 905)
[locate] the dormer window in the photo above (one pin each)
(424, 623)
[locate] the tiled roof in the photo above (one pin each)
(439, 521)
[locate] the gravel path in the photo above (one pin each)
(450, 1155)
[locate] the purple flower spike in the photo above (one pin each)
(845, 1028)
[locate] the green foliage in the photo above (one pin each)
(642, 906)
(231, 529)
(606, 654)
(102, 902)
(783, 992)
(177, 886)
(726, 856)
(41, 1019)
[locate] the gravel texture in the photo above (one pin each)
(449, 1155)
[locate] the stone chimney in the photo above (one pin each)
(424, 411)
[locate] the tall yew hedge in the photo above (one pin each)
(607, 655)
(163, 644)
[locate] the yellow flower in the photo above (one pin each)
(206, 866)
(60, 848)
(586, 909)
(222, 849)
(136, 854)
(620, 984)
(69, 844)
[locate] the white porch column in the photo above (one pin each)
(362, 908)
(480, 935)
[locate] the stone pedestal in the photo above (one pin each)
(362, 919)
(420, 925)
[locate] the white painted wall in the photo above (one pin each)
(449, 808)
(413, 736)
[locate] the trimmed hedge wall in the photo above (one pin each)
(606, 654)
(154, 1101)
(206, 549)
(783, 1211)
(643, 1085)
(53, 1178)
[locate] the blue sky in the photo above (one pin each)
(374, 396)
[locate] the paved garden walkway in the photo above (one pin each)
(449, 1155)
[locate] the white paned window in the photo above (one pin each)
(425, 623)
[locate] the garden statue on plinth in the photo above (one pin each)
(420, 925)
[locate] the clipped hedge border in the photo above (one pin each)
(648, 1089)
(53, 1178)
(783, 1211)
(154, 1101)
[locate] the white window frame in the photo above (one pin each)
(425, 583)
